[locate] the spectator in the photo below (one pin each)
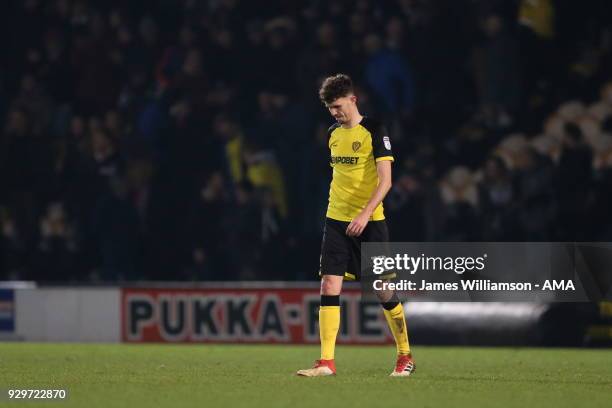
(106, 155)
(573, 183)
(459, 195)
(497, 199)
(244, 233)
(57, 253)
(117, 235)
(12, 249)
(497, 73)
(405, 203)
(204, 229)
(322, 57)
(389, 76)
(536, 205)
(262, 171)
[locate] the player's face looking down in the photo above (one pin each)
(343, 109)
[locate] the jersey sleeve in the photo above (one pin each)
(381, 143)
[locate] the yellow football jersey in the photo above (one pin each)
(354, 153)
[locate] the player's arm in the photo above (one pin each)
(356, 227)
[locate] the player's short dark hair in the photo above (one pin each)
(334, 87)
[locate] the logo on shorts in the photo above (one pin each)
(356, 146)
(387, 142)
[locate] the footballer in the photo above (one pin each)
(361, 159)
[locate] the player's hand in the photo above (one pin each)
(358, 224)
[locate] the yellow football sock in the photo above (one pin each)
(329, 323)
(397, 323)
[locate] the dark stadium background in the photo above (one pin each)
(164, 175)
(183, 140)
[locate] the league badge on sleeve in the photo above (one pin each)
(387, 142)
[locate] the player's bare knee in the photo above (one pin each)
(384, 295)
(331, 285)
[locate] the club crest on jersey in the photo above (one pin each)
(356, 146)
(387, 142)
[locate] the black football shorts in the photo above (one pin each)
(341, 254)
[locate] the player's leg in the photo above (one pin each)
(329, 314)
(334, 261)
(394, 314)
(329, 324)
(396, 319)
(393, 309)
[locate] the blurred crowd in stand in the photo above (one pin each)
(184, 139)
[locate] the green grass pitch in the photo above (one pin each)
(99, 375)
